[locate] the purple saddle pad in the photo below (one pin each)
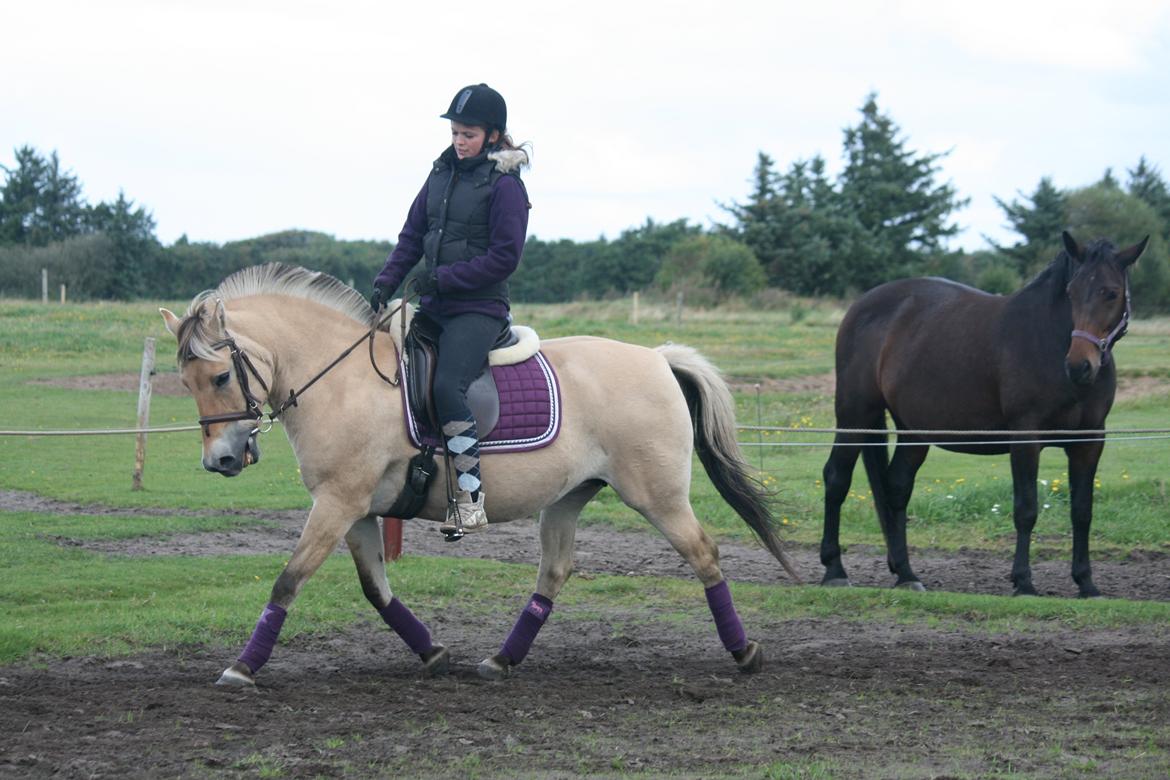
(530, 410)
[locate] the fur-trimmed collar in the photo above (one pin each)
(508, 159)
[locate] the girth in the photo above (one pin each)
(420, 357)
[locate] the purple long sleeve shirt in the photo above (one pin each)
(507, 228)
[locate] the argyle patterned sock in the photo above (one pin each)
(463, 444)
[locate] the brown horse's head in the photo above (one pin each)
(1099, 294)
(219, 382)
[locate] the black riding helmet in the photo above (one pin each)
(479, 105)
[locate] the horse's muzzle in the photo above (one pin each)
(1081, 372)
(229, 460)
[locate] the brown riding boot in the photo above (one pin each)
(466, 516)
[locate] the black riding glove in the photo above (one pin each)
(427, 283)
(379, 297)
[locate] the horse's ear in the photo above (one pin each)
(1070, 245)
(171, 321)
(1126, 257)
(219, 318)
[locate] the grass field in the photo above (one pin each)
(864, 682)
(959, 500)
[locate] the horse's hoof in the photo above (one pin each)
(839, 582)
(498, 667)
(913, 585)
(436, 661)
(751, 659)
(1092, 594)
(237, 676)
(1025, 593)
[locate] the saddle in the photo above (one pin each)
(516, 369)
(419, 355)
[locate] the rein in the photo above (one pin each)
(1105, 345)
(243, 366)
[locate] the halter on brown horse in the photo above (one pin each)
(631, 417)
(942, 356)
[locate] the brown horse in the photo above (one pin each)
(942, 356)
(630, 415)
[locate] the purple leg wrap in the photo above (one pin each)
(407, 626)
(264, 636)
(726, 620)
(527, 626)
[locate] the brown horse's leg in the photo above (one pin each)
(1025, 467)
(366, 545)
(558, 529)
(838, 476)
(1082, 469)
(328, 520)
(900, 485)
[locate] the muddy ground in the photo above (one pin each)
(610, 693)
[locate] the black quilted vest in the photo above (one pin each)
(458, 204)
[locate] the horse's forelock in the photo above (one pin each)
(1094, 255)
(1100, 250)
(195, 340)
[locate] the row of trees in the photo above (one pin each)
(104, 249)
(885, 215)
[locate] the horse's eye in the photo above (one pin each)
(1109, 295)
(222, 379)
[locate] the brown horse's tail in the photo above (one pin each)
(713, 419)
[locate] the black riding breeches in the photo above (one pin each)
(464, 342)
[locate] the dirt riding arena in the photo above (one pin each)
(617, 695)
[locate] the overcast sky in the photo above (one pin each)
(229, 120)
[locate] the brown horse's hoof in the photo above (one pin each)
(436, 661)
(237, 676)
(840, 582)
(751, 659)
(913, 585)
(498, 667)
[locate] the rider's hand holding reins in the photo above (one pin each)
(379, 297)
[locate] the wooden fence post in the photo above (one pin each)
(44, 285)
(635, 317)
(144, 387)
(62, 293)
(678, 310)
(392, 537)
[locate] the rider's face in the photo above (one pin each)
(468, 139)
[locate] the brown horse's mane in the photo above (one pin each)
(195, 337)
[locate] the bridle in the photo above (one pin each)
(243, 366)
(1105, 345)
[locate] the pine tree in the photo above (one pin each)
(760, 221)
(39, 202)
(1039, 219)
(132, 232)
(1146, 183)
(891, 191)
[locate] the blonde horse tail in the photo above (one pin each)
(713, 419)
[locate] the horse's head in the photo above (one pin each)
(1099, 293)
(215, 369)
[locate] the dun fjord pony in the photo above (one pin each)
(941, 356)
(630, 418)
